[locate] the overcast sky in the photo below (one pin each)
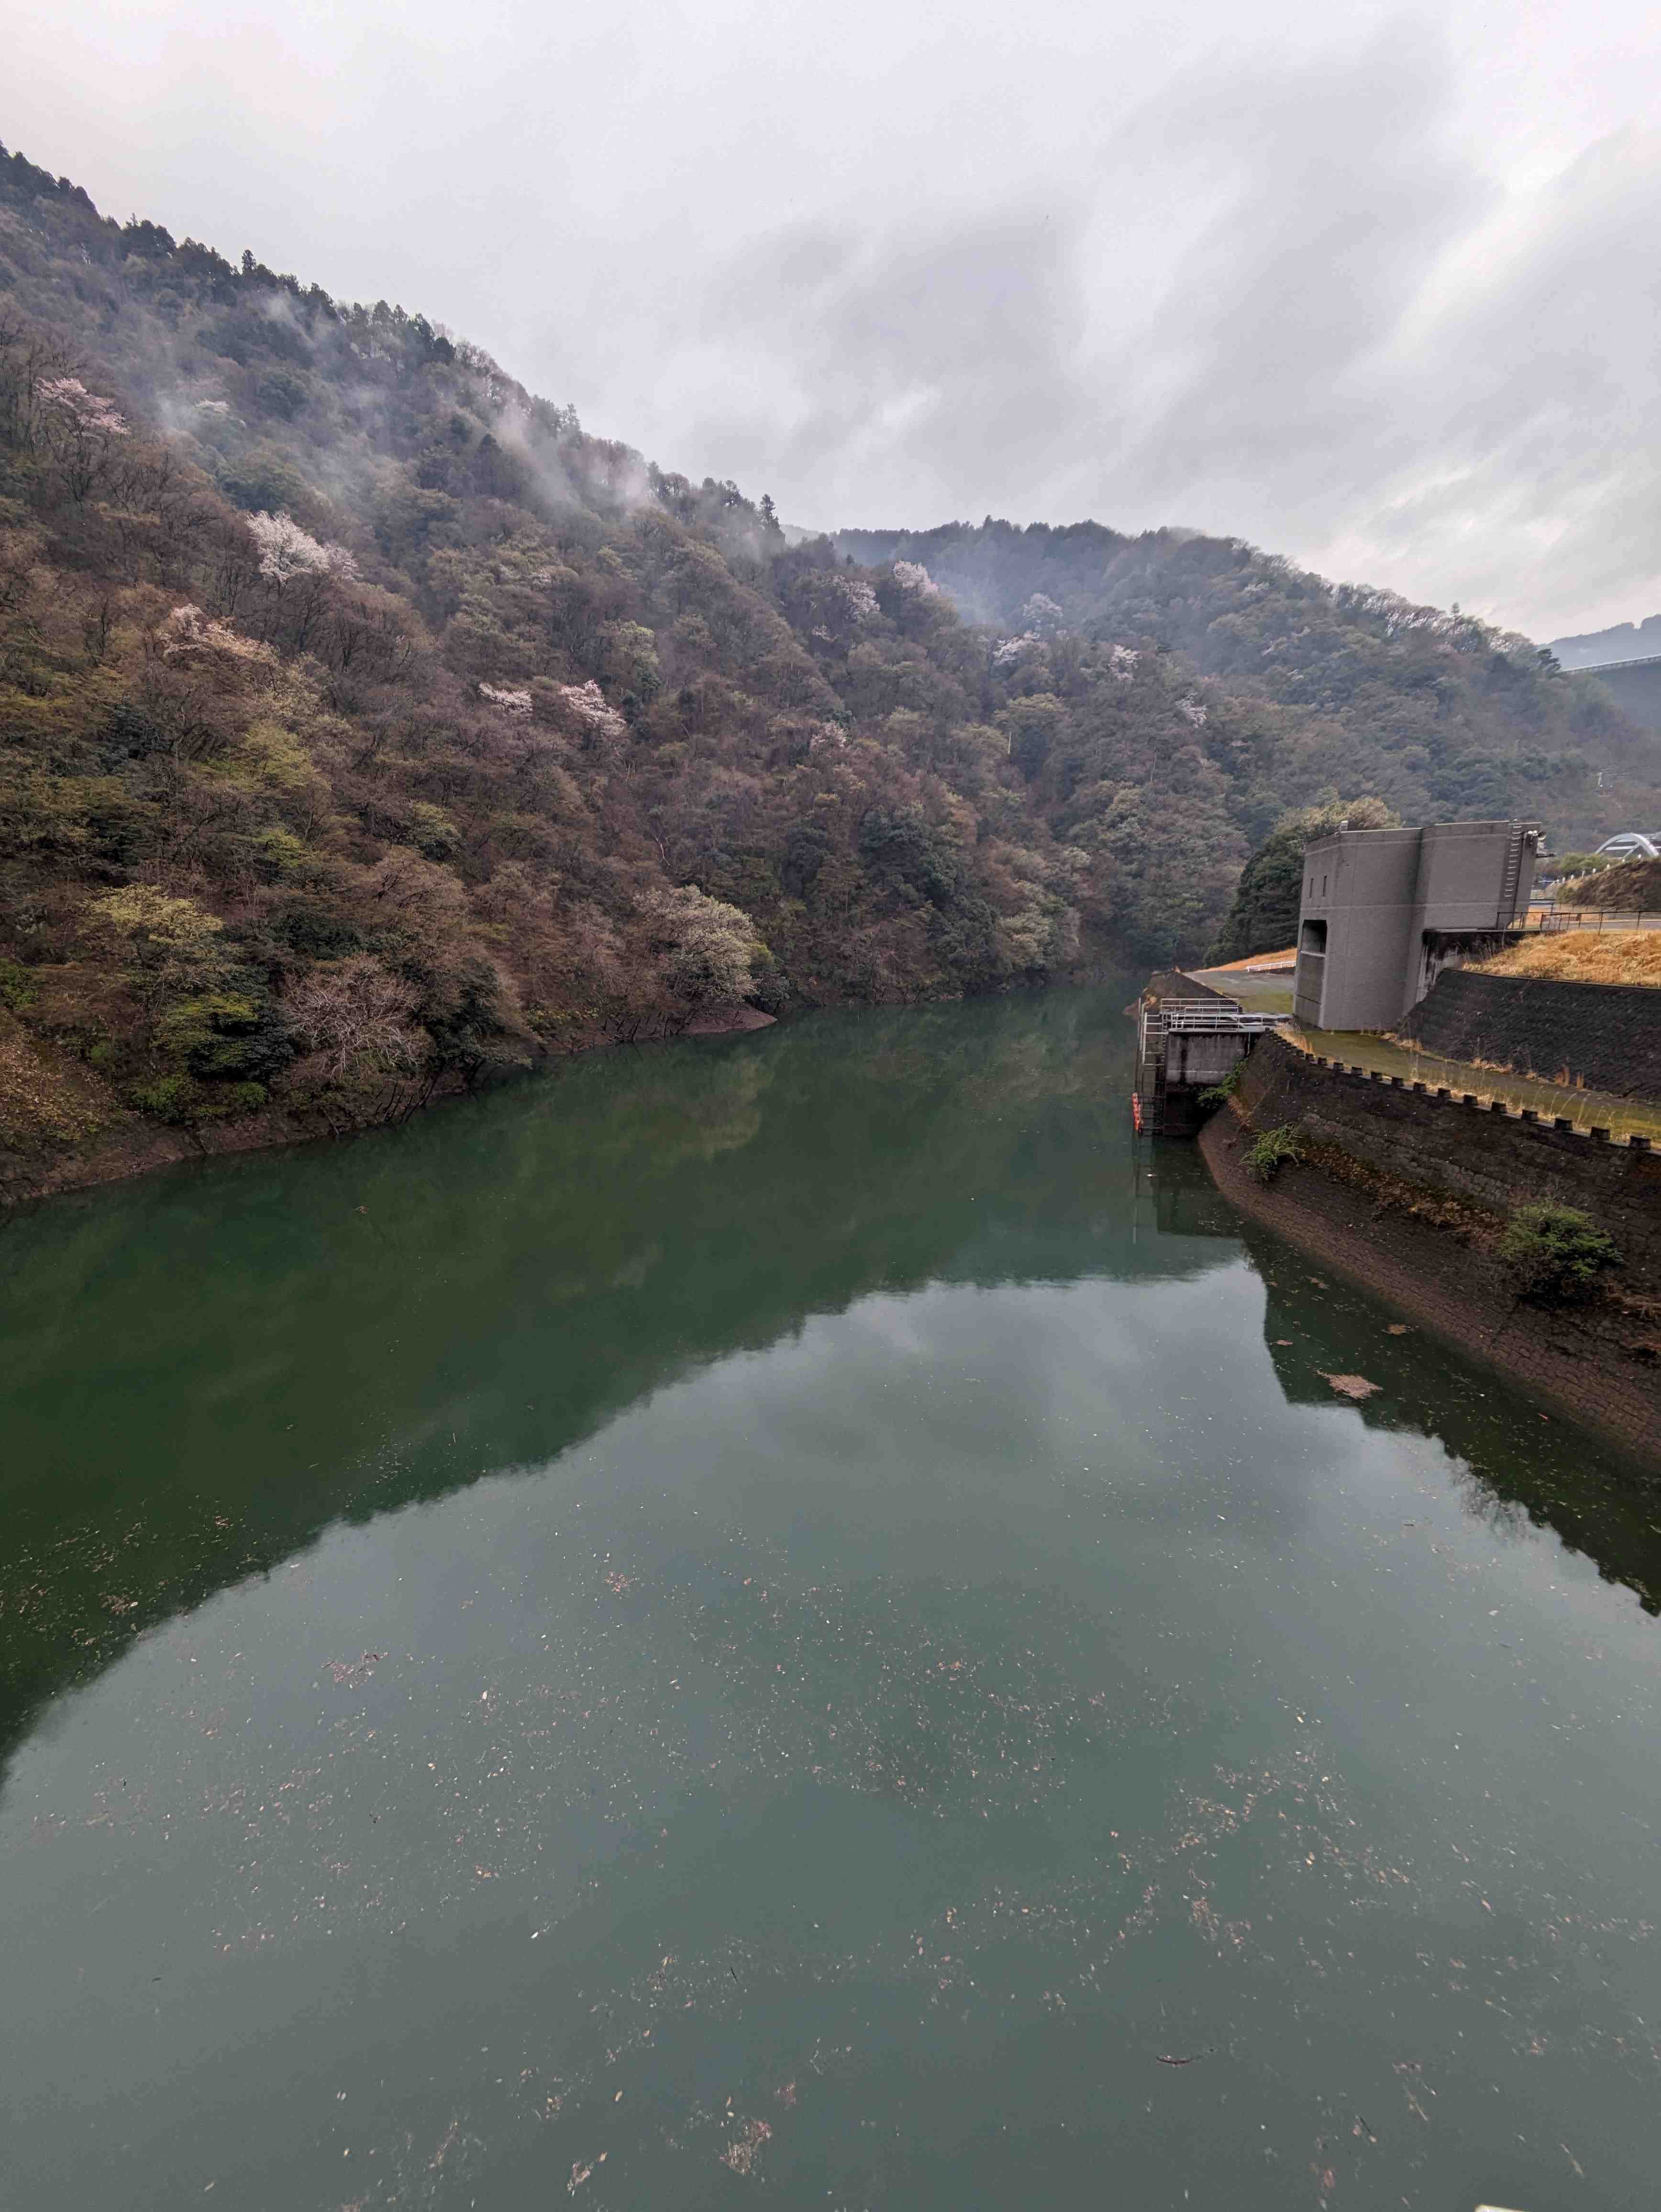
(1374, 287)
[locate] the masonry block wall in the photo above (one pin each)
(1493, 1160)
(1607, 1035)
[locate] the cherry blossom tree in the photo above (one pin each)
(78, 427)
(859, 596)
(509, 701)
(912, 576)
(592, 709)
(287, 551)
(188, 632)
(300, 571)
(85, 409)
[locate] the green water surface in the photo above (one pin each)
(790, 1618)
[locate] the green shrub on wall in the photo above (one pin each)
(1556, 1253)
(1271, 1152)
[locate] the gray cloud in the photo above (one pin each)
(1365, 286)
(910, 364)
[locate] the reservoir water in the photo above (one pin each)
(793, 1616)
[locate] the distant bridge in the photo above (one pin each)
(1634, 685)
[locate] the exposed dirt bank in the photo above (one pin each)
(1600, 1363)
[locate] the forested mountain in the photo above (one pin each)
(1339, 686)
(365, 724)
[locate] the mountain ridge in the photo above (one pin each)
(366, 726)
(1621, 641)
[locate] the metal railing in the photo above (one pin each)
(1555, 921)
(1168, 1017)
(1214, 1017)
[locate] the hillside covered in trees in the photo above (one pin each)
(366, 726)
(1439, 716)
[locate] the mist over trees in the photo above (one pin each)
(366, 726)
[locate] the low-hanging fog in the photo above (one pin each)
(1372, 287)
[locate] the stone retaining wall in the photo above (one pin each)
(1452, 1147)
(1602, 1367)
(1608, 1035)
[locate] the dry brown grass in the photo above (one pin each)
(1633, 887)
(1615, 956)
(1251, 960)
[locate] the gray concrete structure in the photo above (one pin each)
(1188, 1038)
(1634, 685)
(1384, 910)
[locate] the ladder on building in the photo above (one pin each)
(1512, 877)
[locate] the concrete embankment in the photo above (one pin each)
(1607, 1036)
(1409, 1195)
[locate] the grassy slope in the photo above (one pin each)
(1620, 955)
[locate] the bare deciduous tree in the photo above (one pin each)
(355, 1017)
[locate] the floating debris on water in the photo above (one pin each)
(1348, 1386)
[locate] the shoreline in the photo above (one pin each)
(1450, 1288)
(136, 1147)
(144, 1148)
